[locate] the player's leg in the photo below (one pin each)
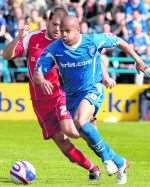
(121, 163)
(51, 129)
(93, 138)
(68, 127)
(118, 160)
(75, 156)
(63, 116)
(93, 121)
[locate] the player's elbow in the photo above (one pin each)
(123, 45)
(5, 55)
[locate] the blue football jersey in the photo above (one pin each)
(79, 66)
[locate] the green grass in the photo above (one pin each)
(22, 140)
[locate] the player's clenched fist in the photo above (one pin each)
(109, 82)
(141, 67)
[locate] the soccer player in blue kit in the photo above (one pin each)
(78, 59)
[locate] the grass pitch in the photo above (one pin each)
(22, 140)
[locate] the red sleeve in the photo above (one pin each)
(19, 49)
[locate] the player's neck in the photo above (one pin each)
(76, 43)
(77, 40)
(47, 36)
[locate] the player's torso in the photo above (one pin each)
(79, 67)
(36, 46)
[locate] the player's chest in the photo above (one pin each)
(75, 56)
(36, 48)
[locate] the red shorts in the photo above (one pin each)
(49, 113)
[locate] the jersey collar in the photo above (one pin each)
(75, 46)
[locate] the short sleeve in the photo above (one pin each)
(45, 61)
(105, 40)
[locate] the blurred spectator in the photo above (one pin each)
(53, 3)
(102, 4)
(84, 28)
(34, 20)
(72, 10)
(79, 12)
(4, 35)
(147, 3)
(21, 23)
(13, 19)
(2, 24)
(119, 27)
(139, 40)
(138, 18)
(99, 22)
(39, 5)
(2, 4)
(90, 9)
(18, 3)
(132, 5)
(112, 9)
(107, 28)
(42, 25)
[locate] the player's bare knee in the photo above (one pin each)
(72, 133)
(79, 121)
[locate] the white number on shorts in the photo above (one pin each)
(63, 110)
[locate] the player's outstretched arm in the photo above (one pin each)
(9, 51)
(140, 66)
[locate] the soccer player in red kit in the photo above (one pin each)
(51, 109)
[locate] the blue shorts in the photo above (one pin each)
(95, 96)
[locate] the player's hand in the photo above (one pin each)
(47, 87)
(141, 67)
(109, 82)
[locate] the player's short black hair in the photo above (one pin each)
(57, 10)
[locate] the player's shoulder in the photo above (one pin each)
(33, 35)
(37, 34)
(55, 44)
(104, 36)
(92, 37)
(87, 37)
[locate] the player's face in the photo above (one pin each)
(70, 33)
(53, 28)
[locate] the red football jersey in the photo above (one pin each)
(32, 46)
